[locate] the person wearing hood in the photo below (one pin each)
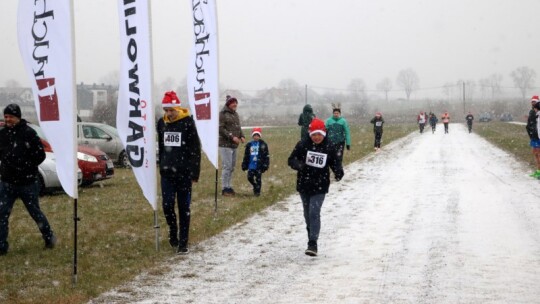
(21, 152)
(313, 159)
(339, 134)
(230, 136)
(304, 120)
(378, 122)
(179, 166)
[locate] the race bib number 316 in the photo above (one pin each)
(172, 139)
(315, 159)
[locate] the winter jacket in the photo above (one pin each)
(21, 152)
(433, 120)
(532, 128)
(469, 118)
(377, 124)
(445, 118)
(261, 156)
(229, 127)
(337, 130)
(421, 119)
(179, 148)
(313, 163)
(304, 120)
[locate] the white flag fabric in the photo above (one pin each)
(135, 118)
(203, 76)
(45, 33)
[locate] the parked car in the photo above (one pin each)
(104, 138)
(506, 117)
(94, 164)
(484, 117)
(48, 176)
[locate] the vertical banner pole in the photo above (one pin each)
(75, 230)
(216, 194)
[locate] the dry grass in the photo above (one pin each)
(116, 234)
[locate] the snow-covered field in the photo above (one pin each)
(431, 218)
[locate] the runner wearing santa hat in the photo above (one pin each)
(313, 158)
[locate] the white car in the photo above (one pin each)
(48, 177)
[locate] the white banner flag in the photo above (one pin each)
(203, 76)
(45, 32)
(135, 118)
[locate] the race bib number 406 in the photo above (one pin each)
(316, 159)
(172, 139)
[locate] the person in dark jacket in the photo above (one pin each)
(313, 159)
(230, 136)
(469, 118)
(304, 120)
(532, 131)
(256, 160)
(433, 122)
(179, 166)
(378, 122)
(21, 152)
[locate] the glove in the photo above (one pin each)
(348, 147)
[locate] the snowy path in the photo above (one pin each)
(432, 218)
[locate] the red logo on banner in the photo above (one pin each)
(202, 106)
(48, 104)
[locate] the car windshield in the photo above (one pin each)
(110, 129)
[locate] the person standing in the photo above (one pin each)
(532, 131)
(446, 120)
(179, 167)
(469, 118)
(21, 152)
(256, 160)
(378, 122)
(304, 120)
(433, 122)
(339, 134)
(230, 136)
(421, 120)
(313, 159)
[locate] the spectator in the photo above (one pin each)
(532, 131)
(304, 120)
(256, 160)
(377, 122)
(339, 134)
(21, 151)
(230, 136)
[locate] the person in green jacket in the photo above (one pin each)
(338, 131)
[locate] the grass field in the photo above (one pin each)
(510, 137)
(116, 238)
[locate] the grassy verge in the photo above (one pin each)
(116, 235)
(510, 137)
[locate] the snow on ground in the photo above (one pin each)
(431, 218)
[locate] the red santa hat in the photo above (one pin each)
(317, 126)
(170, 100)
(256, 131)
(534, 98)
(378, 114)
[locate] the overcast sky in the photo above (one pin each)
(315, 42)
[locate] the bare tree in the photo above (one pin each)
(292, 92)
(484, 87)
(357, 88)
(386, 86)
(495, 82)
(523, 79)
(408, 80)
(112, 78)
(12, 83)
(447, 90)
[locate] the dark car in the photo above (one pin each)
(506, 117)
(484, 117)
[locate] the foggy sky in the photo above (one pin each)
(315, 42)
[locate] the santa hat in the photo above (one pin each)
(378, 114)
(170, 100)
(317, 126)
(229, 99)
(534, 98)
(256, 131)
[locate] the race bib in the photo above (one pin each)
(378, 123)
(315, 159)
(172, 139)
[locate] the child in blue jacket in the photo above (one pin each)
(256, 160)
